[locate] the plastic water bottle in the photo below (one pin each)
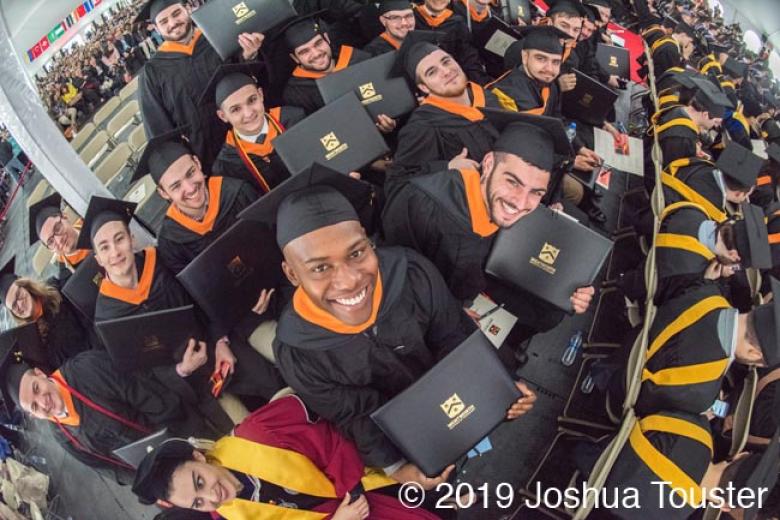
(587, 384)
(572, 349)
(621, 128)
(36, 460)
(571, 131)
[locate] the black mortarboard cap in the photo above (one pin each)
(101, 211)
(684, 28)
(535, 139)
(416, 46)
(151, 9)
(717, 48)
(161, 152)
(571, 7)
(42, 210)
(12, 371)
(752, 238)
(545, 38)
(152, 478)
(7, 278)
(386, 6)
(591, 13)
(228, 78)
(302, 29)
(740, 164)
(766, 319)
(670, 22)
(735, 69)
(772, 129)
(308, 201)
(773, 228)
(710, 96)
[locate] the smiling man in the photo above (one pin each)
(451, 217)
(94, 409)
(171, 80)
(50, 225)
(397, 17)
(248, 153)
(365, 323)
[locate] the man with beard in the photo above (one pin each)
(434, 15)
(447, 130)
(248, 153)
(452, 216)
(171, 81)
(364, 323)
(310, 49)
(50, 225)
(397, 17)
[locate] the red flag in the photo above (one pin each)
(44, 43)
(81, 10)
(36, 50)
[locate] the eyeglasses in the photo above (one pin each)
(399, 18)
(58, 231)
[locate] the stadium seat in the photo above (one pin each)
(129, 90)
(105, 112)
(86, 132)
(127, 116)
(137, 139)
(95, 149)
(141, 192)
(41, 259)
(262, 340)
(41, 190)
(114, 163)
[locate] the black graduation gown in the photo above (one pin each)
(666, 54)
(179, 241)
(455, 39)
(253, 376)
(586, 54)
(170, 87)
(134, 397)
(65, 334)
(763, 420)
(301, 89)
(435, 133)
(516, 91)
(381, 44)
(638, 466)
(273, 170)
(698, 344)
(693, 180)
(494, 64)
(343, 377)
(680, 268)
(677, 136)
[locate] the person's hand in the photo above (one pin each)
(520, 22)
(250, 44)
(411, 473)
(263, 301)
(223, 354)
(474, 315)
(357, 510)
(567, 82)
(585, 163)
(385, 124)
(462, 162)
(590, 154)
(717, 270)
(195, 356)
(355, 175)
(581, 299)
(524, 404)
(613, 81)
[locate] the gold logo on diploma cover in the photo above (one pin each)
(368, 93)
(546, 259)
(240, 10)
(613, 61)
(332, 145)
(586, 100)
(452, 406)
(151, 343)
(242, 13)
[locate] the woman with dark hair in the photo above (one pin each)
(62, 330)
(280, 463)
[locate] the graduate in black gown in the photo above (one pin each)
(248, 152)
(94, 408)
(687, 358)
(50, 225)
(454, 36)
(397, 17)
(310, 48)
(138, 283)
(364, 323)
(172, 80)
(671, 51)
(448, 129)
(63, 330)
(452, 216)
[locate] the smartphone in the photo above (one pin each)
(720, 408)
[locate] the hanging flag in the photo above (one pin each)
(96, 3)
(56, 33)
(44, 44)
(87, 6)
(36, 50)
(30, 55)
(69, 20)
(81, 10)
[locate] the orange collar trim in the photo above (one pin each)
(73, 418)
(310, 312)
(140, 293)
(76, 258)
(478, 212)
(187, 49)
(259, 149)
(345, 54)
(476, 15)
(472, 113)
(538, 111)
(209, 219)
(433, 21)
(389, 39)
